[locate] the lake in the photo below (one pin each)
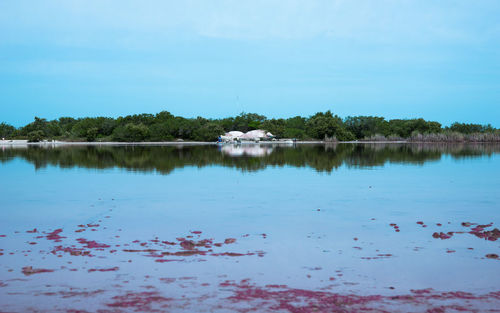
(252, 228)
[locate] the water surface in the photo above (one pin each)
(307, 228)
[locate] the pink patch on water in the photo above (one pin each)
(29, 270)
(55, 235)
(71, 250)
(442, 235)
(91, 244)
(112, 269)
(231, 254)
(138, 301)
(187, 244)
(167, 260)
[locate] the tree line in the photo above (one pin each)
(165, 126)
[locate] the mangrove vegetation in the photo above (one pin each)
(165, 126)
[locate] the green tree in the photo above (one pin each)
(35, 136)
(367, 126)
(131, 133)
(326, 125)
(248, 121)
(295, 127)
(39, 124)
(211, 131)
(91, 134)
(6, 130)
(275, 126)
(465, 128)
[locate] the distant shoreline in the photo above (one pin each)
(143, 143)
(21, 143)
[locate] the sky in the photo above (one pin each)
(439, 60)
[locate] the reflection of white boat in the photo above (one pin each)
(246, 150)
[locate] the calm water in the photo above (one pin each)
(311, 228)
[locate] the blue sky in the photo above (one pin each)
(399, 59)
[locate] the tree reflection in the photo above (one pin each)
(164, 159)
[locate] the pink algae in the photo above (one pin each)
(491, 235)
(54, 235)
(71, 250)
(442, 235)
(187, 244)
(477, 230)
(91, 244)
(231, 254)
(185, 253)
(112, 269)
(277, 286)
(282, 298)
(29, 270)
(167, 260)
(395, 226)
(139, 301)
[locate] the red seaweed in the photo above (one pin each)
(442, 235)
(29, 270)
(90, 244)
(187, 245)
(55, 235)
(112, 269)
(139, 301)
